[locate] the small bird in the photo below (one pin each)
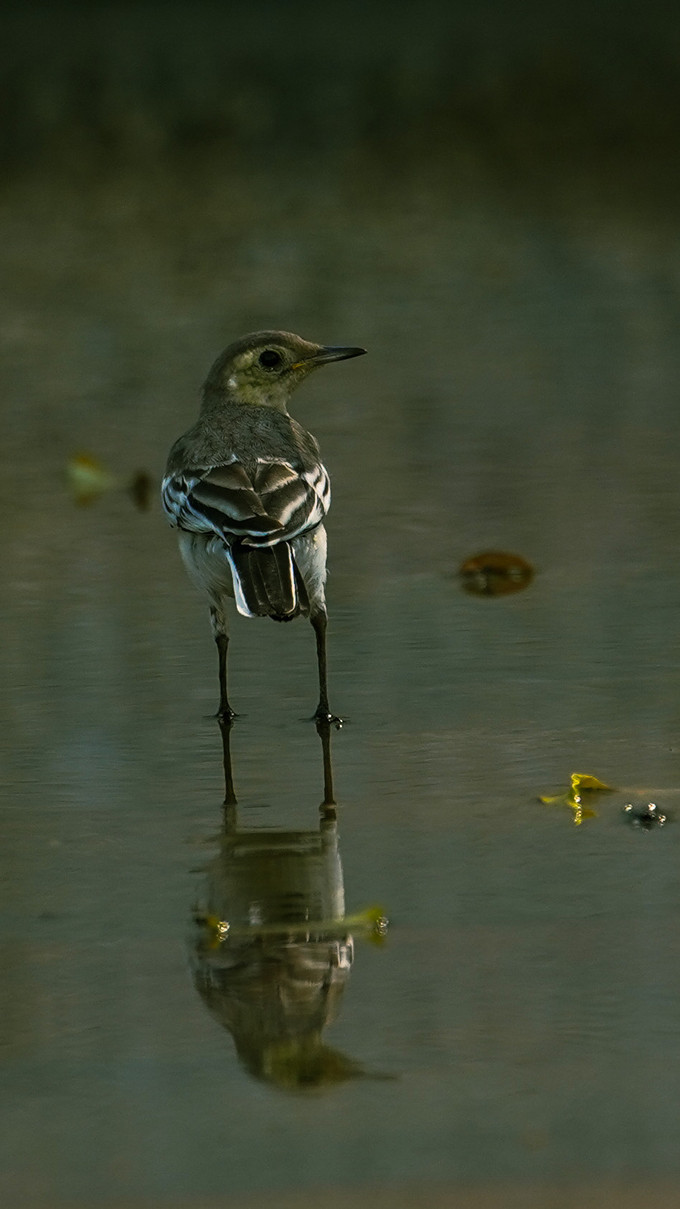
(248, 492)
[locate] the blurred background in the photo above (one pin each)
(486, 196)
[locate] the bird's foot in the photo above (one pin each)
(323, 717)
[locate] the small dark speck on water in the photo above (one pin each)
(644, 817)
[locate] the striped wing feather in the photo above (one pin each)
(275, 504)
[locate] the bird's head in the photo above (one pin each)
(264, 368)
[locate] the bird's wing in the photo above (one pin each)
(276, 503)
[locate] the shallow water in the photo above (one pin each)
(516, 1035)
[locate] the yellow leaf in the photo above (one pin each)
(580, 782)
(88, 478)
(583, 780)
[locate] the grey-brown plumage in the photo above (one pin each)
(247, 490)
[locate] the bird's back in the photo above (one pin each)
(248, 480)
(251, 435)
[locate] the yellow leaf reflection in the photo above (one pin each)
(372, 923)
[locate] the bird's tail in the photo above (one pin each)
(265, 581)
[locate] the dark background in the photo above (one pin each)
(519, 94)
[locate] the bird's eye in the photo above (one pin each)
(270, 359)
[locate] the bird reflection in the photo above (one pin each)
(272, 950)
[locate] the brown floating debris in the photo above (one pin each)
(141, 490)
(495, 573)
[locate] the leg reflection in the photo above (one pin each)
(323, 729)
(271, 951)
(226, 723)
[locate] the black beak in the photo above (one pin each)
(332, 353)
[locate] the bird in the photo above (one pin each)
(247, 491)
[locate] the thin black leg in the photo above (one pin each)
(225, 710)
(323, 713)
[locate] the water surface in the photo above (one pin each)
(516, 1035)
